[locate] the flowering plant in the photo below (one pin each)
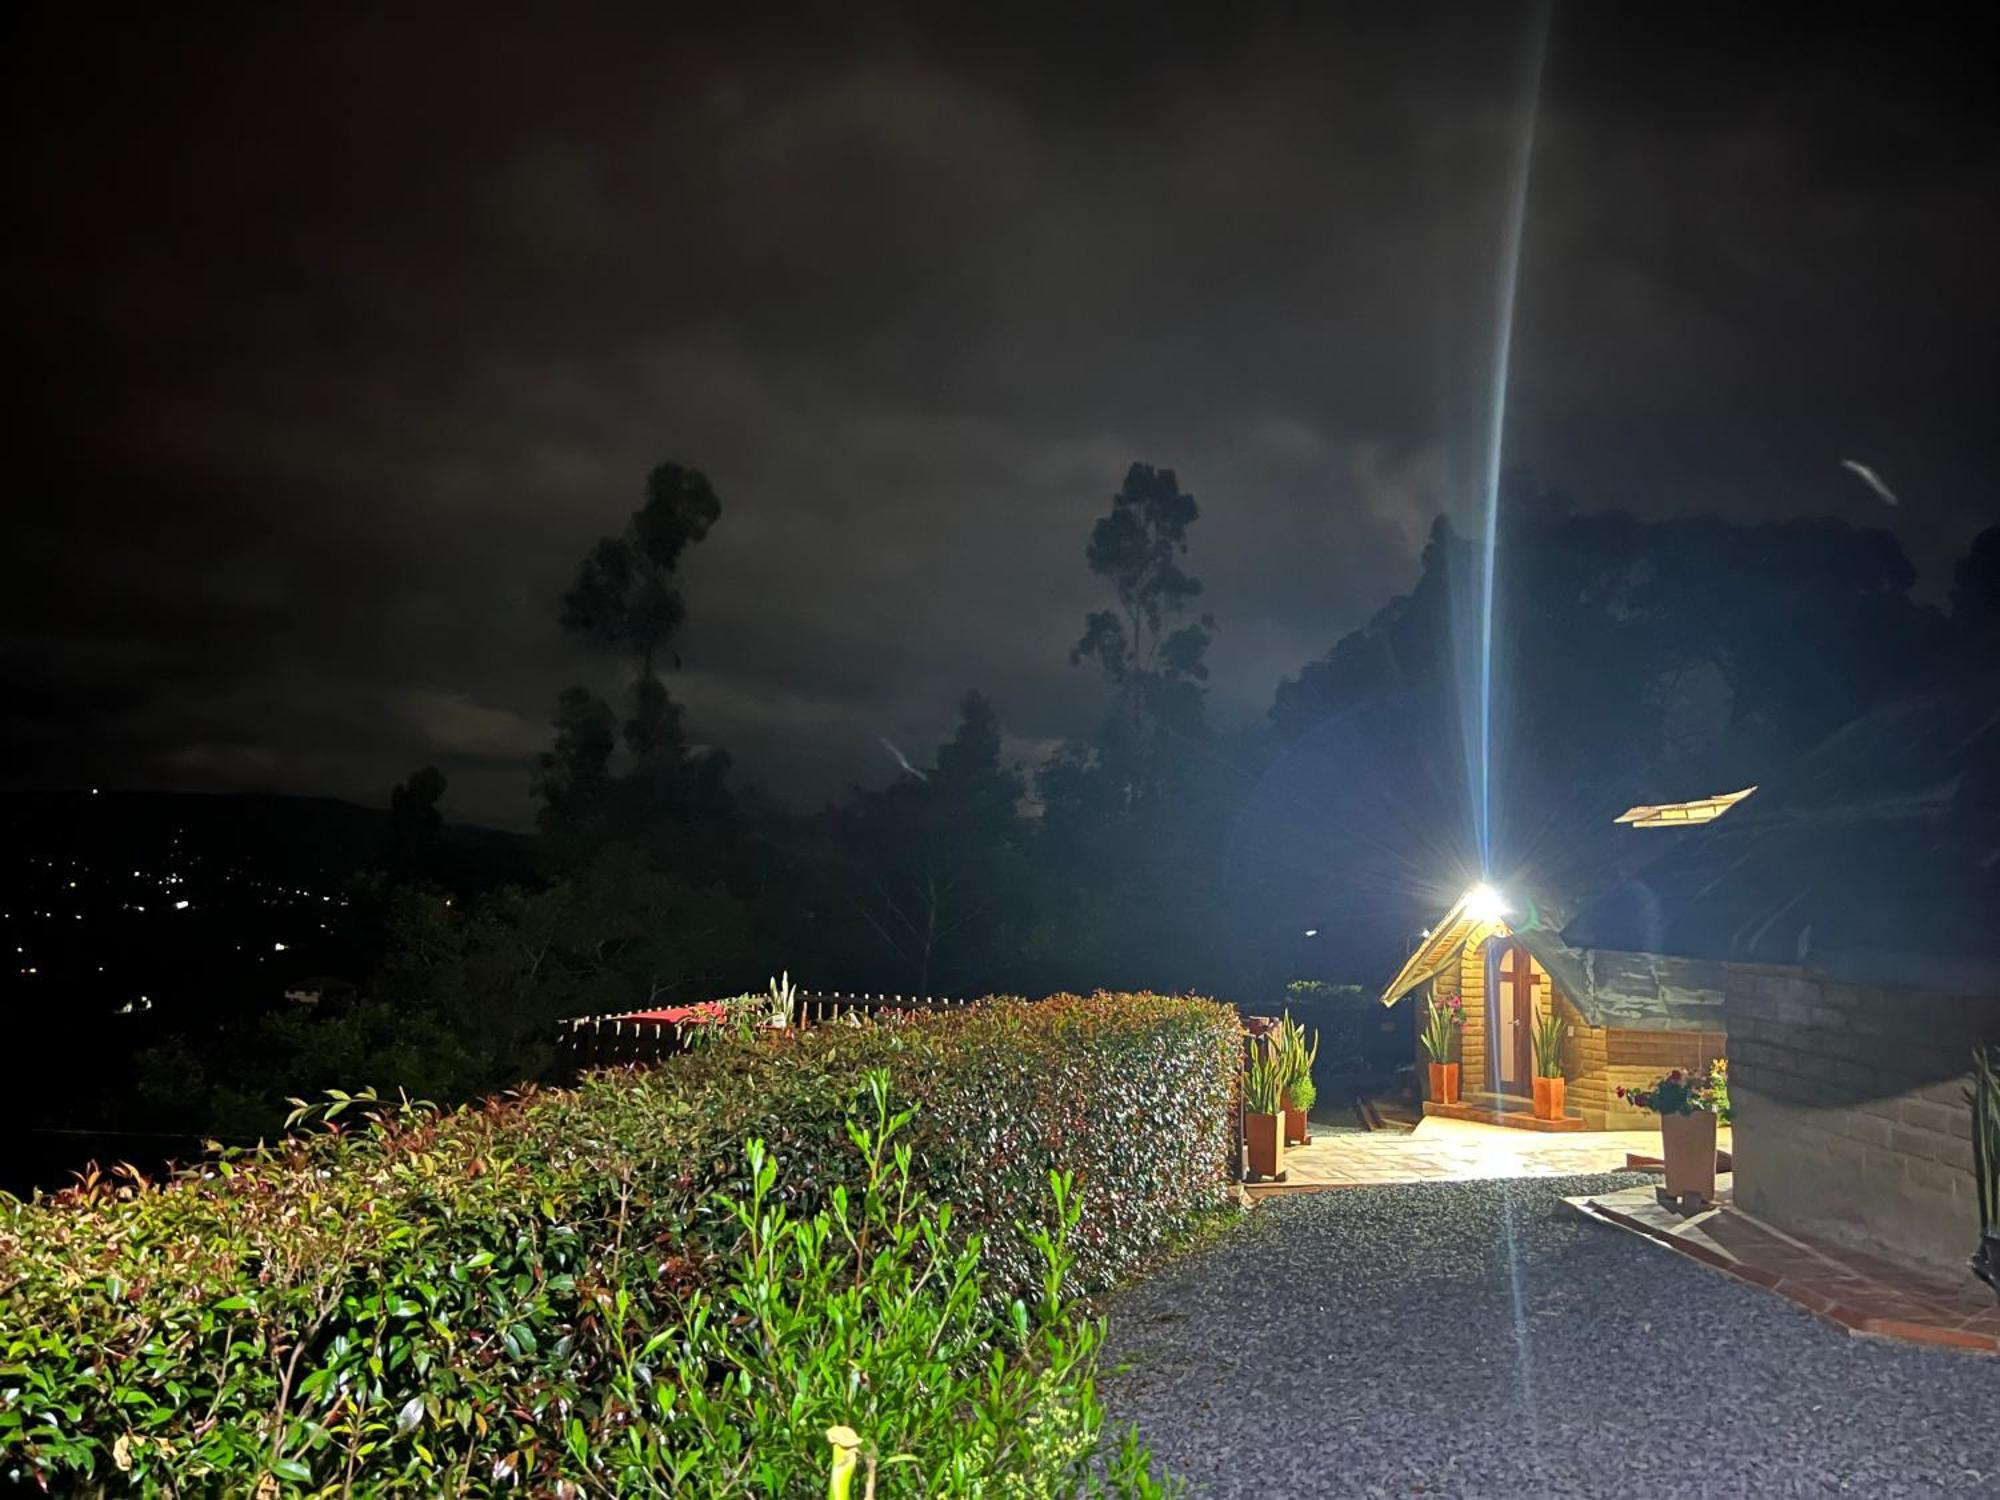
(1443, 1026)
(1718, 1088)
(1683, 1092)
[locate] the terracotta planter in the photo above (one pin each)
(1265, 1136)
(1437, 1082)
(1688, 1144)
(1549, 1098)
(1450, 1083)
(1298, 1129)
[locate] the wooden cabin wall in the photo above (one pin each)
(1585, 1066)
(1472, 990)
(1465, 975)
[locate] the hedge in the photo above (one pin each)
(381, 1302)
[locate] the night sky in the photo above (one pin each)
(340, 333)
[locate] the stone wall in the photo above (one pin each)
(1851, 1118)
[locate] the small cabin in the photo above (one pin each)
(1632, 1016)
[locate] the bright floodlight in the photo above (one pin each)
(1484, 904)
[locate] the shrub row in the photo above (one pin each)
(422, 1301)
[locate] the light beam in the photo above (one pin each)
(1510, 269)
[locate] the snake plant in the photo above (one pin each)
(1263, 1085)
(1295, 1056)
(1550, 1030)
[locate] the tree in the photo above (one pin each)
(668, 801)
(626, 594)
(1633, 662)
(1137, 548)
(1975, 588)
(931, 866)
(415, 824)
(615, 935)
(573, 780)
(1133, 818)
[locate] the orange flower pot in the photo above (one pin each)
(1450, 1082)
(1437, 1082)
(1265, 1136)
(1549, 1098)
(1688, 1144)
(1298, 1131)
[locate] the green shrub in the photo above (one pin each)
(1130, 1093)
(867, 1317)
(451, 1301)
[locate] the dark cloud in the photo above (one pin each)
(344, 334)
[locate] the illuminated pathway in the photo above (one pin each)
(1456, 1151)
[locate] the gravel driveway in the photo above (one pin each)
(1482, 1339)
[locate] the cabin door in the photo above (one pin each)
(1510, 1017)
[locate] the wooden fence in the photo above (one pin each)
(620, 1040)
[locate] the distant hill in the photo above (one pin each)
(275, 834)
(168, 909)
(130, 917)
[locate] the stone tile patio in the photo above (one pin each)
(1445, 1150)
(1859, 1292)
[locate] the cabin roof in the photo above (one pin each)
(1680, 814)
(1875, 859)
(1437, 950)
(1631, 991)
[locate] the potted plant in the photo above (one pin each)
(1986, 1160)
(781, 1003)
(1550, 1032)
(1298, 1112)
(1689, 1105)
(1443, 1026)
(1295, 1057)
(1264, 1114)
